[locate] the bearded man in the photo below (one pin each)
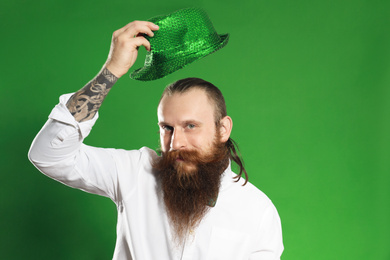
(184, 204)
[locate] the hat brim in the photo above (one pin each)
(153, 71)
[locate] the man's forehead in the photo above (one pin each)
(191, 102)
(192, 96)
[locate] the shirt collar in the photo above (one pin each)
(226, 181)
(227, 178)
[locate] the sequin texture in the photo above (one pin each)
(184, 37)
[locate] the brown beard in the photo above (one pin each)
(188, 195)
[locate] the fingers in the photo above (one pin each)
(125, 44)
(138, 27)
(134, 31)
(141, 41)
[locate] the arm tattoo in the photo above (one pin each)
(84, 104)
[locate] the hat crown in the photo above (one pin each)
(188, 29)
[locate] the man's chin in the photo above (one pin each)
(186, 168)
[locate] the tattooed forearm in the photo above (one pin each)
(84, 104)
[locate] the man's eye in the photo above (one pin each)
(190, 126)
(167, 128)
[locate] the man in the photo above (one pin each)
(186, 204)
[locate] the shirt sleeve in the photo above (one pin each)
(269, 243)
(58, 152)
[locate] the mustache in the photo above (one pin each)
(192, 156)
(187, 156)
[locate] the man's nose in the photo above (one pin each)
(178, 140)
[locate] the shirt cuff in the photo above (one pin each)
(61, 113)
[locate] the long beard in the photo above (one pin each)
(190, 185)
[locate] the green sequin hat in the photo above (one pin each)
(184, 37)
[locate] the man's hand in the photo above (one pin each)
(124, 46)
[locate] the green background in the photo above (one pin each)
(306, 83)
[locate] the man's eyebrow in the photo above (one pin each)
(186, 122)
(195, 122)
(162, 123)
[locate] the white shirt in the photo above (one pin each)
(244, 224)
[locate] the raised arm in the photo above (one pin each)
(58, 151)
(125, 42)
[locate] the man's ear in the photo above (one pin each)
(225, 128)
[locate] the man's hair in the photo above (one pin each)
(216, 97)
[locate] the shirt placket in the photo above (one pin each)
(189, 246)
